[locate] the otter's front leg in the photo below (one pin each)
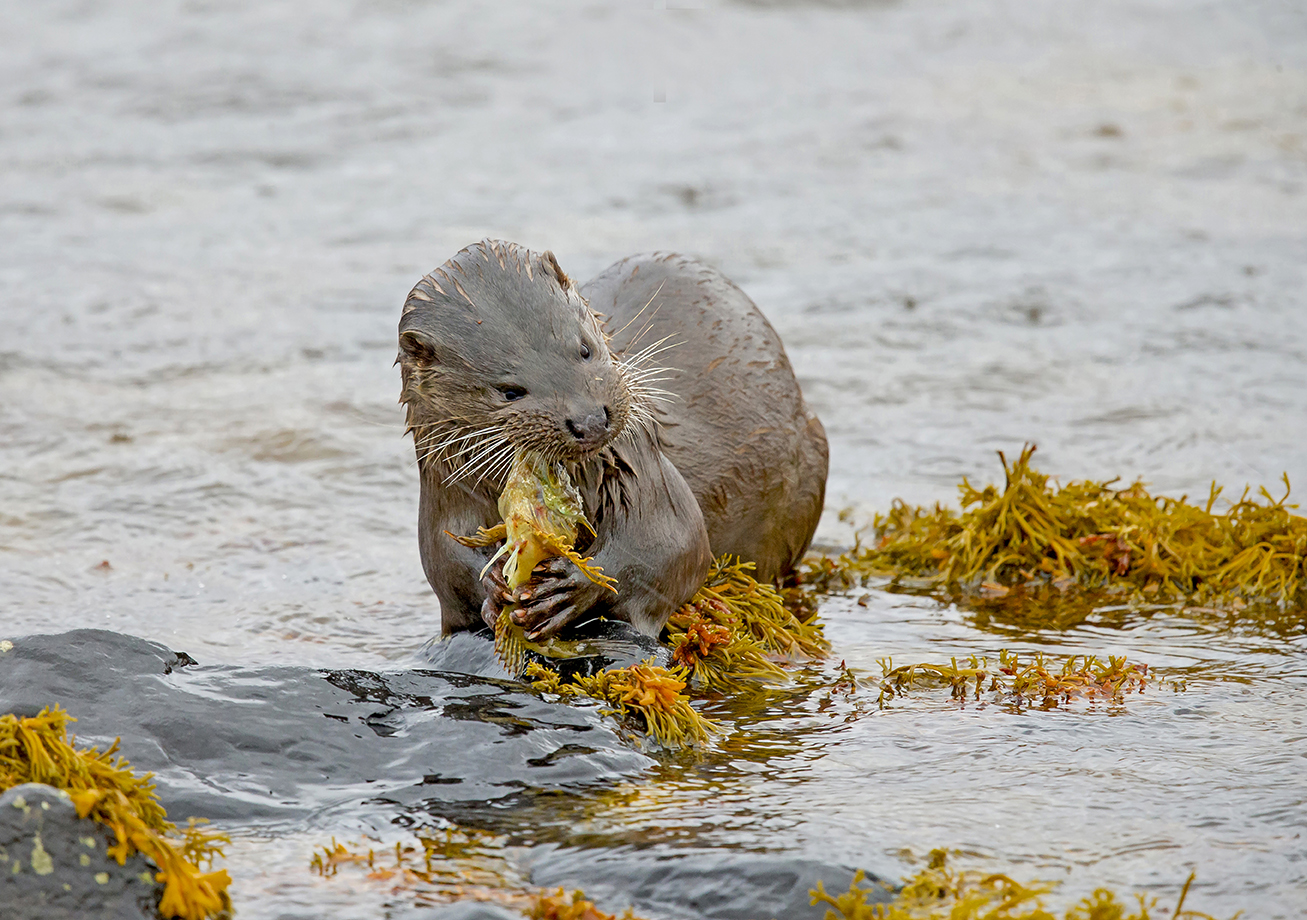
(650, 536)
(454, 570)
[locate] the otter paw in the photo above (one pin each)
(557, 594)
(489, 613)
(494, 584)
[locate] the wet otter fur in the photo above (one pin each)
(711, 450)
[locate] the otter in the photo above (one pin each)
(661, 388)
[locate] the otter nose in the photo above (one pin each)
(589, 429)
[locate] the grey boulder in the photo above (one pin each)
(55, 865)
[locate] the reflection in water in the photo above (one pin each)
(972, 225)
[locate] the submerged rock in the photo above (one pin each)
(55, 865)
(705, 883)
(463, 910)
(247, 743)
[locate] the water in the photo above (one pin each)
(973, 225)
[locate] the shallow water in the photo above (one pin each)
(973, 225)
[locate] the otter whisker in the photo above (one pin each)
(457, 438)
(642, 309)
(639, 393)
(481, 455)
(647, 326)
(487, 456)
(449, 445)
(648, 352)
(446, 444)
(640, 418)
(461, 433)
(654, 374)
(651, 374)
(500, 469)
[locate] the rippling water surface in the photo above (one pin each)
(973, 224)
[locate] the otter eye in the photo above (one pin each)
(585, 351)
(512, 394)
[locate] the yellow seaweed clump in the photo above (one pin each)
(645, 695)
(728, 634)
(1035, 681)
(542, 511)
(453, 864)
(105, 789)
(732, 597)
(558, 906)
(724, 638)
(712, 651)
(458, 864)
(938, 892)
(1090, 535)
(727, 638)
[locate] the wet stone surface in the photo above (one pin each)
(280, 743)
(55, 865)
(721, 885)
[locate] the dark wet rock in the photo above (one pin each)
(55, 865)
(464, 653)
(463, 910)
(594, 646)
(717, 884)
(233, 742)
(605, 644)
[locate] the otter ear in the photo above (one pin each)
(551, 263)
(418, 347)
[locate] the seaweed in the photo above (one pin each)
(714, 657)
(723, 638)
(437, 866)
(511, 643)
(1085, 536)
(559, 907)
(733, 598)
(644, 695)
(1036, 681)
(454, 866)
(939, 892)
(105, 789)
(542, 510)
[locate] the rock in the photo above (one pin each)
(462, 910)
(55, 865)
(710, 884)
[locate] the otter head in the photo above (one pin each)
(498, 351)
